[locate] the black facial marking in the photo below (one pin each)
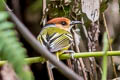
(63, 23)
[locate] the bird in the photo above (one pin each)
(56, 35)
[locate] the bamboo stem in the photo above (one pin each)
(104, 64)
(104, 75)
(68, 56)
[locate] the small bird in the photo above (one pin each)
(56, 36)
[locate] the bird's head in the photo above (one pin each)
(63, 23)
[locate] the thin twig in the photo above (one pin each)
(81, 60)
(42, 51)
(50, 73)
(106, 28)
(110, 45)
(44, 11)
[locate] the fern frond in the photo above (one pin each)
(11, 49)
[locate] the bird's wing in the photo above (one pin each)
(55, 41)
(43, 40)
(60, 41)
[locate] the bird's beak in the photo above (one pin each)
(72, 23)
(75, 22)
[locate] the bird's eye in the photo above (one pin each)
(63, 23)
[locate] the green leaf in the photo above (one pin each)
(1, 5)
(11, 49)
(6, 25)
(3, 15)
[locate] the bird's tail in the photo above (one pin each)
(49, 69)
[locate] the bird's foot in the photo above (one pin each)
(71, 53)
